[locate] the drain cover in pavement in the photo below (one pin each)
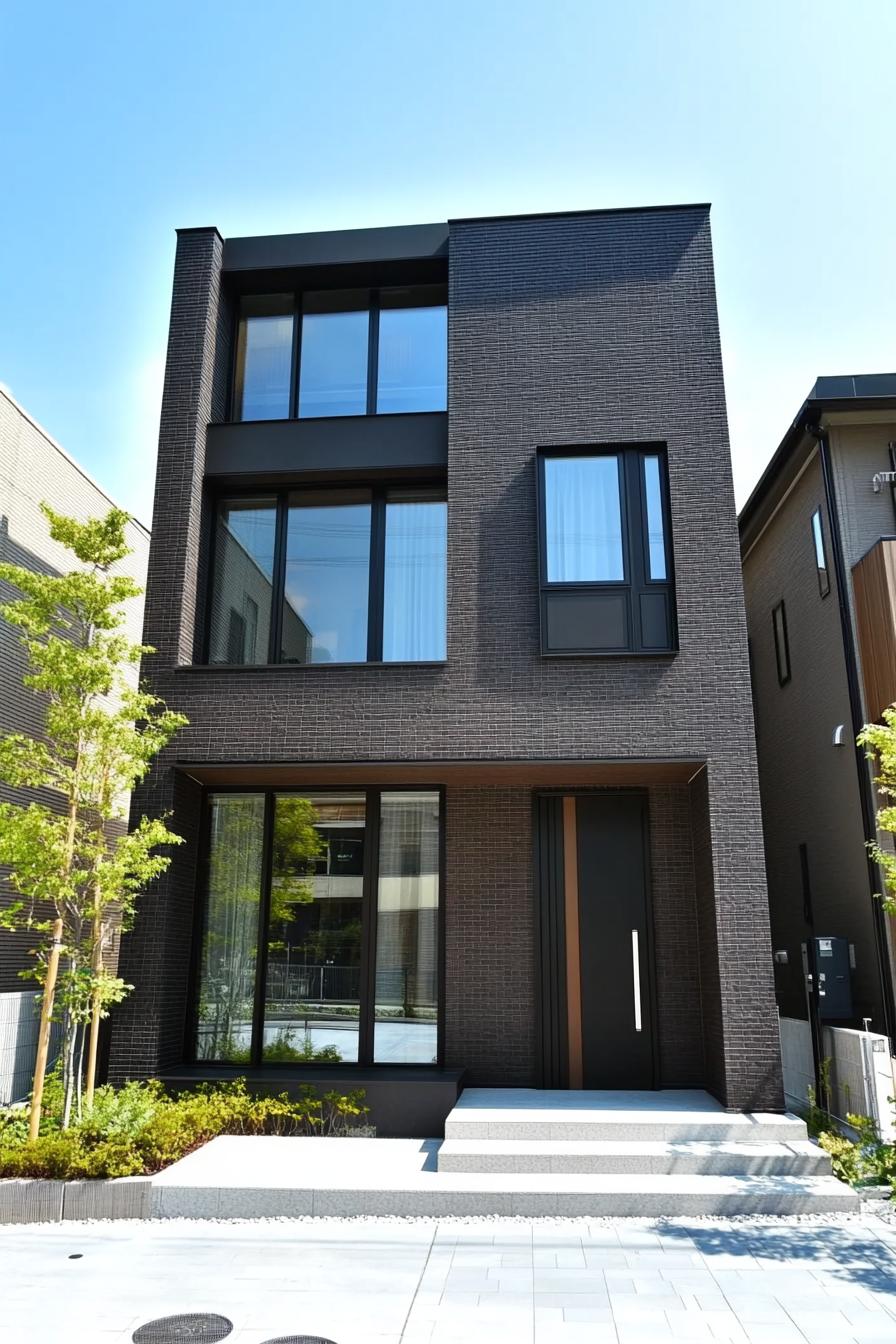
(299, 1339)
(200, 1327)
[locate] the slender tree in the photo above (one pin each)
(880, 741)
(72, 879)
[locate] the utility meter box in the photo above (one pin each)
(835, 988)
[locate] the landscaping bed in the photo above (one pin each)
(139, 1129)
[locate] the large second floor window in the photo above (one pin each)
(604, 551)
(327, 353)
(329, 576)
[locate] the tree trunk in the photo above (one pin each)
(43, 1039)
(68, 1068)
(98, 932)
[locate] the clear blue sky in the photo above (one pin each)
(120, 122)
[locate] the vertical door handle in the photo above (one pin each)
(636, 978)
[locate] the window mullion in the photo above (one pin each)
(279, 579)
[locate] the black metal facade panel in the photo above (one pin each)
(283, 449)
(341, 247)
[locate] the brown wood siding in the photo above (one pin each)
(874, 587)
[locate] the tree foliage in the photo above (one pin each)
(880, 741)
(100, 738)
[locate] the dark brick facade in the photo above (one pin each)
(592, 329)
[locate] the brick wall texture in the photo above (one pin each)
(592, 329)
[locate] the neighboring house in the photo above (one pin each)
(445, 576)
(34, 469)
(818, 540)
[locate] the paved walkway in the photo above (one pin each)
(441, 1282)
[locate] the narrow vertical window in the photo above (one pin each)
(821, 559)
(229, 951)
(324, 618)
(583, 519)
(414, 596)
(333, 372)
(313, 985)
(264, 358)
(653, 501)
(407, 930)
(782, 646)
(242, 583)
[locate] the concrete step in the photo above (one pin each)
(668, 1116)
(633, 1158)
(267, 1176)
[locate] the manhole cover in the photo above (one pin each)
(200, 1326)
(299, 1339)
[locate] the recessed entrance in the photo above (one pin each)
(596, 944)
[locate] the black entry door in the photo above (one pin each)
(614, 948)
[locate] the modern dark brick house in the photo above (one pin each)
(445, 575)
(819, 563)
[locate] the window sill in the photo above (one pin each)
(323, 419)
(301, 667)
(592, 654)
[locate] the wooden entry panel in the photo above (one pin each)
(615, 967)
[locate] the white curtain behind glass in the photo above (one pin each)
(583, 519)
(414, 606)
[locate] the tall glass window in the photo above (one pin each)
(653, 500)
(333, 366)
(327, 577)
(313, 986)
(264, 358)
(407, 930)
(240, 614)
(412, 358)
(583, 519)
(230, 936)
(414, 599)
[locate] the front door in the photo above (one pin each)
(595, 994)
(610, 1027)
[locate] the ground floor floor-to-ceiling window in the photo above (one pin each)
(319, 928)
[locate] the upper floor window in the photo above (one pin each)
(264, 358)
(329, 576)
(604, 553)
(782, 643)
(821, 558)
(342, 352)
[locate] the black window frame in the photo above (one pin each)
(823, 571)
(367, 992)
(636, 579)
(373, 308)
(379, 492)
(782, 644)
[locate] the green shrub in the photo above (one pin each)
(122, 1112)
(13, 1125)
(139, 1128)
(864, 1161)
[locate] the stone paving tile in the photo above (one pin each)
(383, 1282)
